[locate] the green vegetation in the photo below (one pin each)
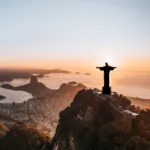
(25, 137)
(3, 129)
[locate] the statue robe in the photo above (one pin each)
(106, 70)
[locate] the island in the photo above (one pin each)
(77, 72)
(87, 74)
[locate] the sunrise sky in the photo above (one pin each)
(75, 34)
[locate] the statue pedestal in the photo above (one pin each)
(106, 90)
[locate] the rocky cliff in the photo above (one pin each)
(98, 122)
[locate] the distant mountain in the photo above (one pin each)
(38, 88)
(87, 74)
(10, 74)
(34, 87)
(71, 87)
(140, 102)
(47, 71)
(40, 76)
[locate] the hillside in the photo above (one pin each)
(101, 122)
(25, 137)
(3, 129)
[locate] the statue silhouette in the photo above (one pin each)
(106, 69)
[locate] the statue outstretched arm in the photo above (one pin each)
(100, 68)
(113, 68)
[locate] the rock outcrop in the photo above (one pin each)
(9, 75)
(96, 122)
(65, 87)
(2, 97)
(33, 80)
(34, 87)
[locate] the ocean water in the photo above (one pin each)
(14, 96)
(128, 84)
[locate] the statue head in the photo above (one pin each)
(106, 64)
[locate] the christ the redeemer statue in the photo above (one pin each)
(106, 69)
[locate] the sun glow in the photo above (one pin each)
(110, 60)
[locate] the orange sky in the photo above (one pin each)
(85, 66)
(75, 35)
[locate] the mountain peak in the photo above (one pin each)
(93, 119)
(33, 80)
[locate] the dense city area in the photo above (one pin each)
(43, 109)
